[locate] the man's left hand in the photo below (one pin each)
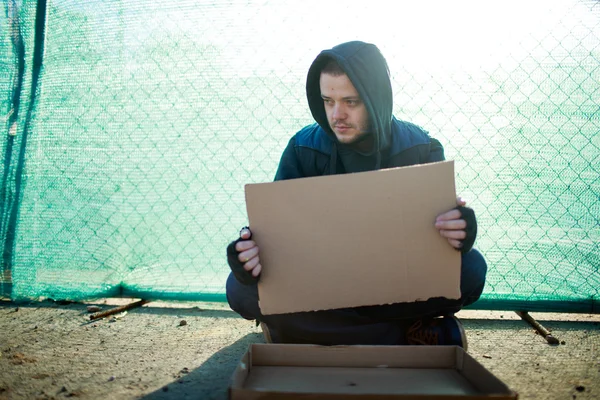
(452, 226)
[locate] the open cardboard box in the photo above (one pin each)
(295, 371)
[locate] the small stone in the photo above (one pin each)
(112, 320)
(63, 389)
(93, 309)
(185, 370)
(487, 356)
(112, 378)
(563, 342)
(183, 322)
(580, 388)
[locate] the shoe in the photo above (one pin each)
(266, 332)
(446, 331)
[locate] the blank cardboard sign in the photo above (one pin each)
(353, 240)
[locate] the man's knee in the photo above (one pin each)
(241, 298)
(473, 273)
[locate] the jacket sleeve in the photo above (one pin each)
(436, 151)
(289, 166)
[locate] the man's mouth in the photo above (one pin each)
(342, 127)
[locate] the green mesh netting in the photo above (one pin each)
(124, 163)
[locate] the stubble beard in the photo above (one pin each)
(362, 134)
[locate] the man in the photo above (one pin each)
(350, 96)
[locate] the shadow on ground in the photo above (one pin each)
(211, 379)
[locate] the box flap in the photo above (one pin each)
(355, 239)
(481, 378)
(302, 355)
(241, 371)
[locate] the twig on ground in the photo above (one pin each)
(538, 327)
(118, 310)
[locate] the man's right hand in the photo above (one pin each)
(248, 253)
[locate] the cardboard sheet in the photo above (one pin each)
(355, 239)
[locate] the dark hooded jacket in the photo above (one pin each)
(315, 150)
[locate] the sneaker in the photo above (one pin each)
(266, 332)
(446, 331)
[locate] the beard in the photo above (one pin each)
(361, 140)
(361, 134)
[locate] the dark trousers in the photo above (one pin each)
(383, 324)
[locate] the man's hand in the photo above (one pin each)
(248, 253)
(451, 226)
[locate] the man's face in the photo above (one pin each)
(346, 113)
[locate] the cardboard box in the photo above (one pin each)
(354, 239)
(289, 371)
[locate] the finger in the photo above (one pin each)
(251, 264)
(245, 233)
(455, 243)
(256, 271)
(244, 245)
(453, 224)
(448, 215)
(460, 201)
(245, 256)
(453, 234)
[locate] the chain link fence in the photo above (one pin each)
(124, 164)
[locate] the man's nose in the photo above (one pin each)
(339, 112)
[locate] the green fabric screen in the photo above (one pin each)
(131, 128)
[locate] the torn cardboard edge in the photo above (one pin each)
(295, 371)
(354, 239)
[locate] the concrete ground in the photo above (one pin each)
(189, 351)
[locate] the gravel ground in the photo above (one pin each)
(189, 350)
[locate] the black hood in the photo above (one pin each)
(368, 71)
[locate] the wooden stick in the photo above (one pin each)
(538, 327)
(119, 309)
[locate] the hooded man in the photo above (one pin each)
(350, 96)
